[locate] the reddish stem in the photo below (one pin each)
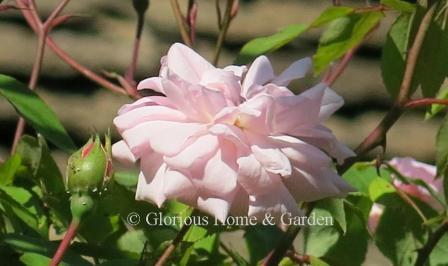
(339, 69)
(33, 20)
(181, 23)
(425, 102)
(130, 73)
(63, 246)
(229, 14)
(170, 249)
(191, 19)
(42, 31)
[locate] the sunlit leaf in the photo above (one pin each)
(268, 44)
(36, 112)
(8, 169)
(342, 34)
(399, 5)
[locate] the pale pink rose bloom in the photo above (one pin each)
(412, 169)
(231, 140)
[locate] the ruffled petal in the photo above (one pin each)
(254, 178)
(331, 102)
(151, 178)
(186, 63)
(271, 157)
(225, 81)
(164, 137)
(122, 153)
(276, 203)
(198, 102)
(293, 113)
(259, 73)
(324, 139)
(216, 207)
(177, 185)
(296, 70)
(154, 83)
(220, 173)
(202, 148)
(147, 113)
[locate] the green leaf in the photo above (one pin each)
(335, 248)
(32, 204)
(336, 209)
(442, 149)
(400, 233)
(260, 240)
(237, 258)
(331, 14)
(432, 68)
(34, 259)
(36, 112)
(437, 108)
(317, 262)
(319, 239)
(399, 5)
(360, 175)
(132, 243)
(26, 244)
(378, 188)
(8, 169)
(127, 179)
(394, 53)
(439, 255)
(342, 34)
(269, 44)
(344, 252)
(429, 79)
(45, 173)
(23, 214)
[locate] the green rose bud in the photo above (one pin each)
(88, 167)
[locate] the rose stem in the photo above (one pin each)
(170, 249)
(181, 23)
(425, 251)
(33, 20)
(130, 72)
(230, 13)
(63, 246)
(42, 31)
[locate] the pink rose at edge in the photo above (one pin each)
(231, 140)
(410, 168)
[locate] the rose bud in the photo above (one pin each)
(89, 166)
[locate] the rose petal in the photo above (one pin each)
(296, 70)
(154, 83)
(151, 178)
(202, 148)
(259, 73)
(186, 63)
(165, 137)
(122, 153)
(277, 202)
(216, 207)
